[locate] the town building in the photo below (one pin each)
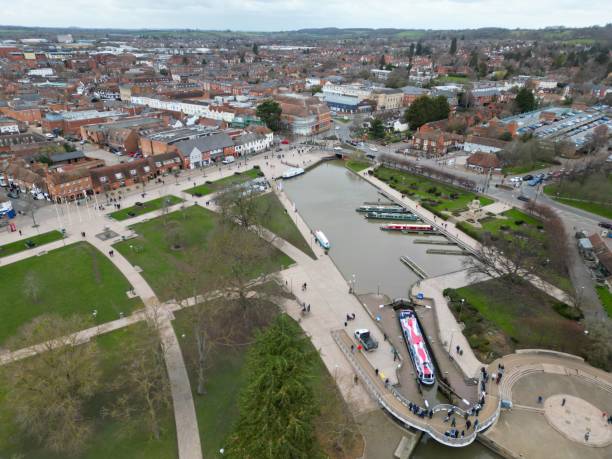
(304, 115)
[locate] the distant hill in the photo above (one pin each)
(578, 35)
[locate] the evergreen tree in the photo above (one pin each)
(255, 49)
(419, 48)
(525, 100)
(426, 109)
(278, 406)
(270, 113)
(453, 46)
(377, 129)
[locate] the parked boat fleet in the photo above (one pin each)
(395, 212)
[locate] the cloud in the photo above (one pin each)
(295, 14)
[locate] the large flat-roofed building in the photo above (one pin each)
(71, 122)
(122, 134)
(304, 115)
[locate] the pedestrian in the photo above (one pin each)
(353, 316)
(308, 309)
(563, 402)
(376, 371)
(587, 435)
(453, 422)
(539, 399)
(348, 317)
(352, 348)
(345, 324)
(355, 379)
(82, 233)
(468, 424)
(20, 233)
(387, 382)
(457, 348)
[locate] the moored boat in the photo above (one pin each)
(391, 216)
(417, 347)
(322, 239)
(408, 227)
(293, 172)
(389, 209)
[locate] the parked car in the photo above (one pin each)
(12, 194)
(527, 177)
(365, 338)
(285, 142)
(606, 225)
(523, 198)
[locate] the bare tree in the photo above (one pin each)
(142, 385)
(511, 259)
(47, 393)
(238, 204)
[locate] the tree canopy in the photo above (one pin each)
(525, 100)
(278, 406)
(270, 112)
(453, 46)
(425, 109)
(377, 129)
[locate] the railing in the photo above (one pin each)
(423, 426)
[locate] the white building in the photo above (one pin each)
(250, 143)
(188, 108)
(42, 72)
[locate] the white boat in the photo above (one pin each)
(322, 239)
(293, 172)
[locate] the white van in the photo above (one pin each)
(228, 160)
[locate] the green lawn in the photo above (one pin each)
(606, 298)
(151, 250)
(438, 197)
(106, 440)
(357, 166)
(20, 246)
(73, 279)
(147, 206)
(500, 319)
(592, 193)
(211, 187)
(281, 224)
(218, 410)
(451, 79)
(523, 169)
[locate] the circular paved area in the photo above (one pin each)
(577, 417)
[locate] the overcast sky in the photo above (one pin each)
(266, 15)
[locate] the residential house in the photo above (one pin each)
(484, 163)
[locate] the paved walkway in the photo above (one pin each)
(532, 429)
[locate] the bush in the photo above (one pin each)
(519, 222)
(568, 312)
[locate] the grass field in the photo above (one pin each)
(594, 194)
(151, 250)
(281, 224)
(606, 298)
(435, 196)
(357, 166)
(451, 79)
(38, 240)
(217, 185)
(218, 409)
(75, 279)
(148, 206)
(106, 440)
(523, 169)
(499, 320)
